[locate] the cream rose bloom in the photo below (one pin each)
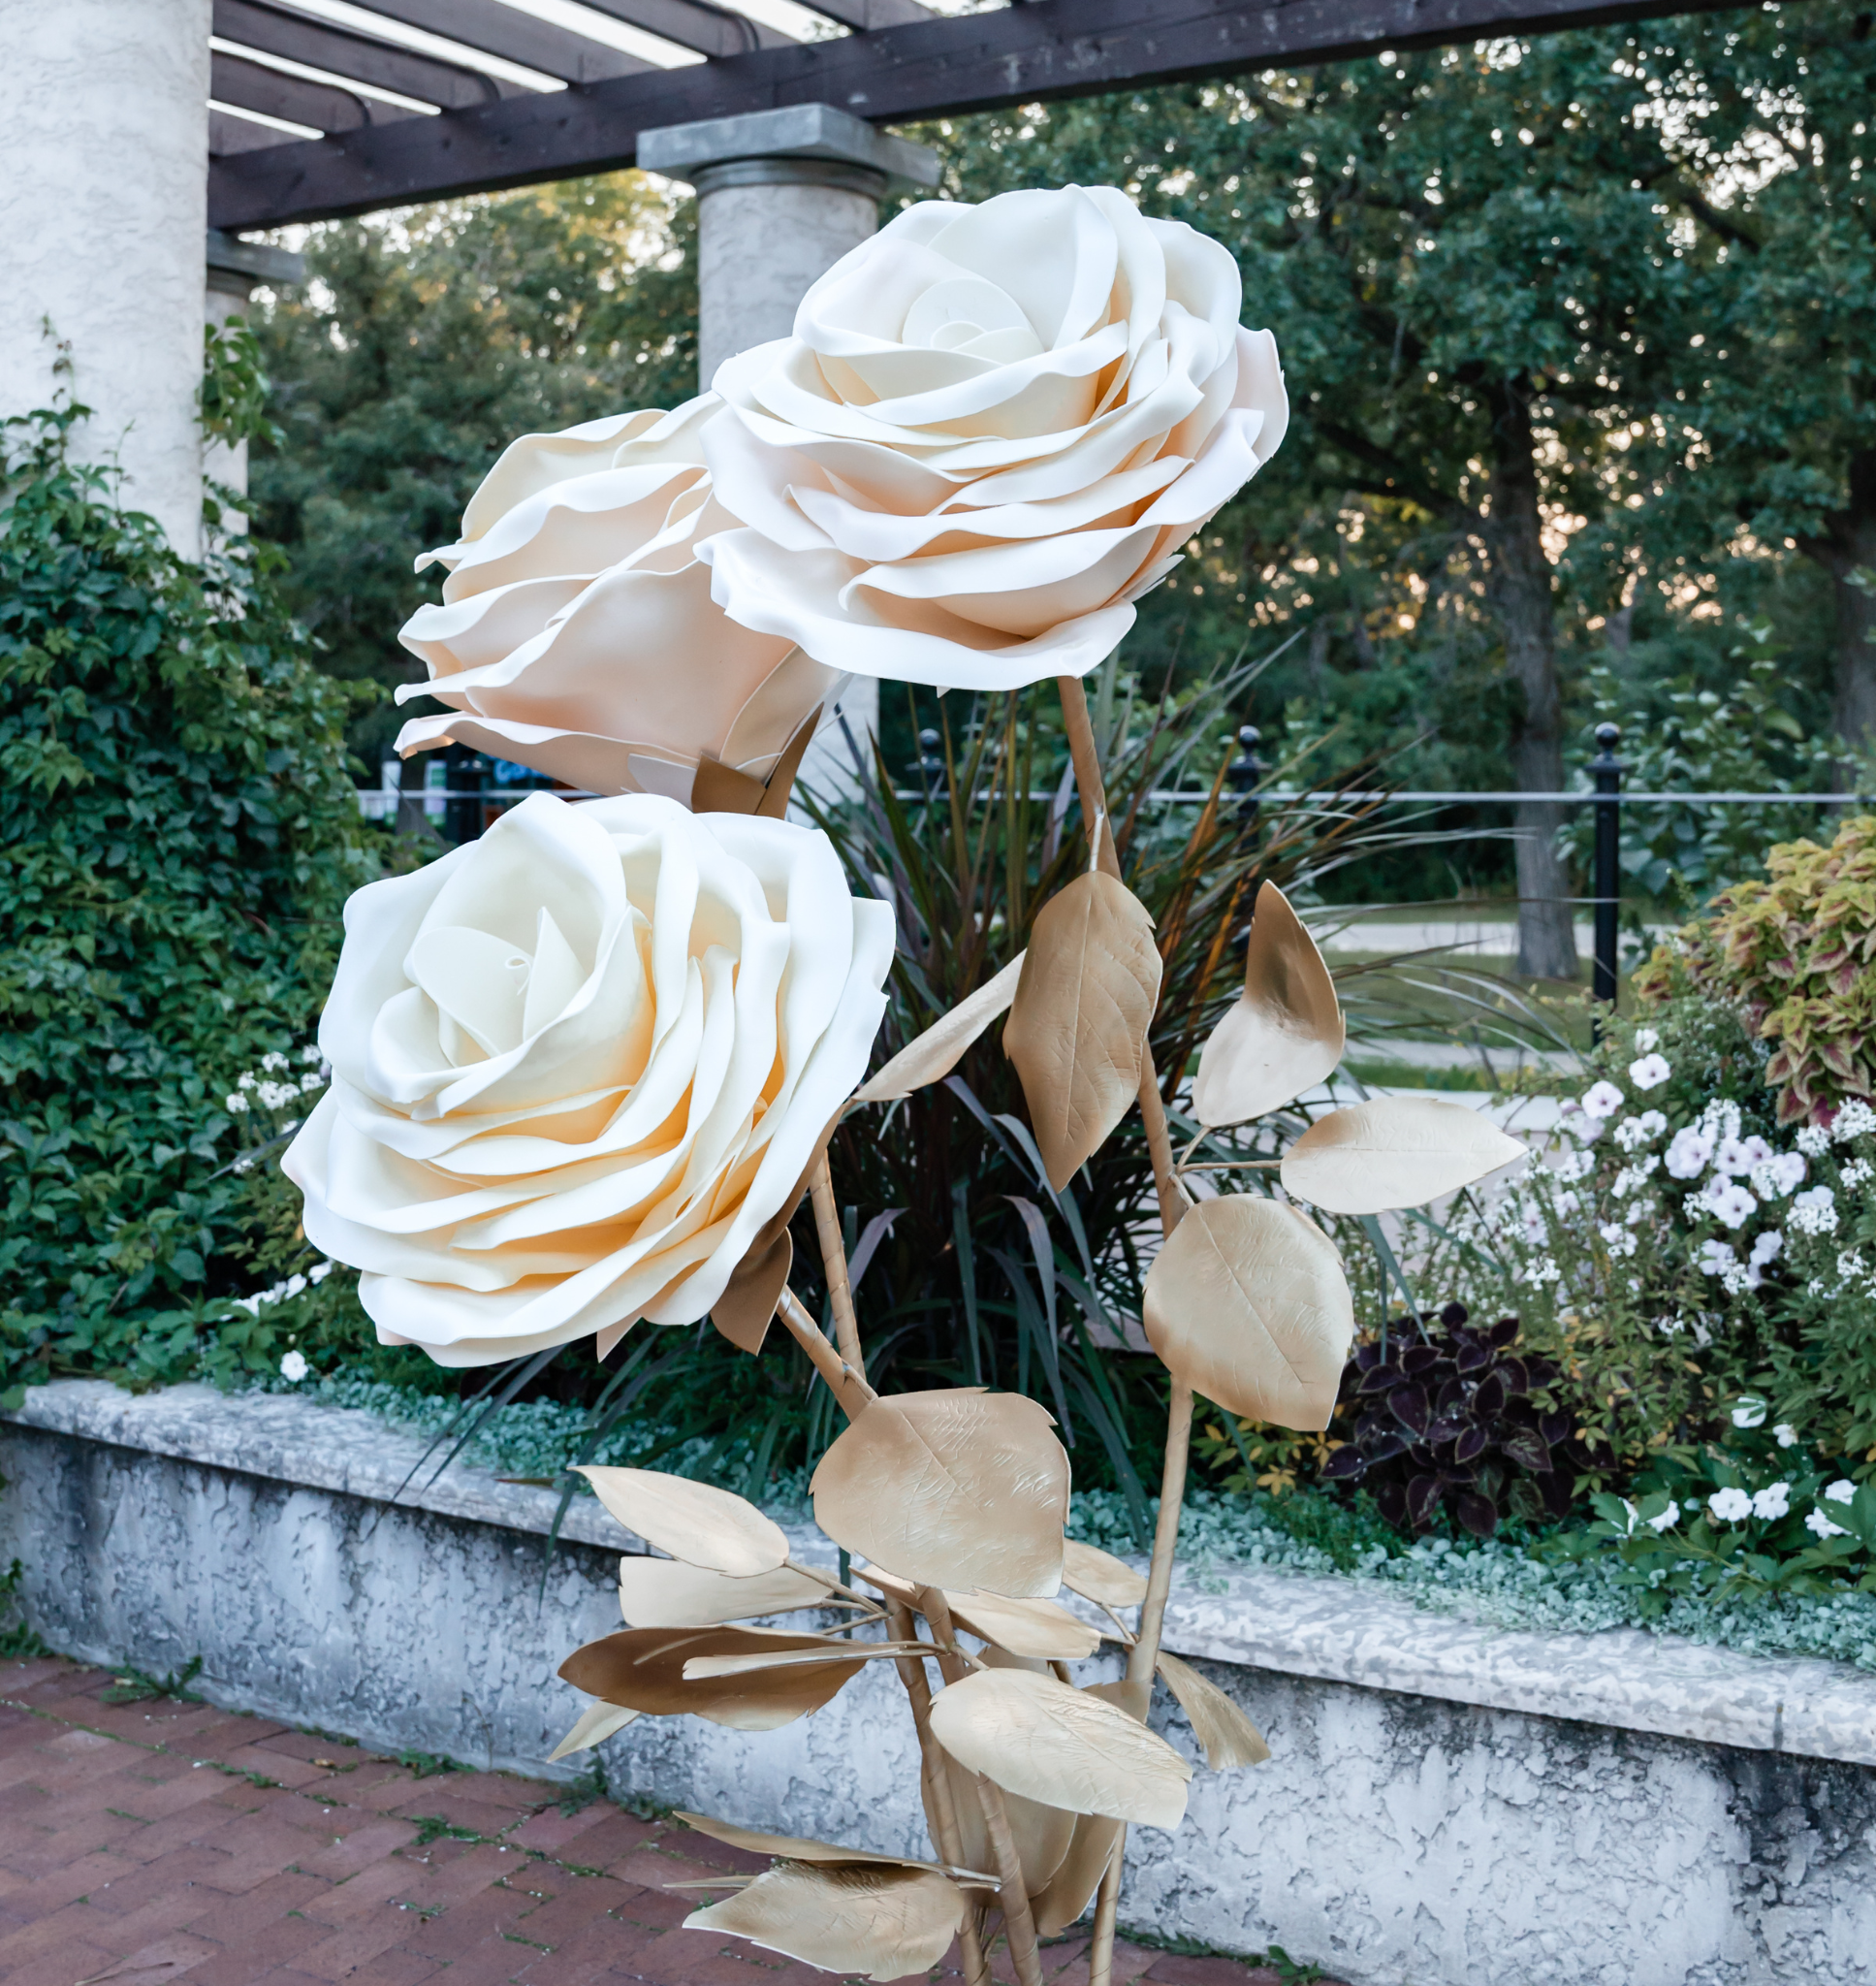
(577, 633)
(990, 433)
(577, 1064)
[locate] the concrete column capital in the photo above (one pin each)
(788, 144)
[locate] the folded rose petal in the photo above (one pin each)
(578, 1066)
(992, 430)
(577, 633)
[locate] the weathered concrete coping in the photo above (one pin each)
(1331, 1629)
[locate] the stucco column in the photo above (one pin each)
(235, 270)
(104, 143)
(782, 195)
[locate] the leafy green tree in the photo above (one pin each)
(1468, 257)
(1768, 115)
(416, 351)
(176, 837)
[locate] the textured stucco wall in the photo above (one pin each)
(1395, 1837)
(104, 141)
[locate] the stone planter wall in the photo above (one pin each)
(1446, 1805)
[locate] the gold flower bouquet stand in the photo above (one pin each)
(586, 1069)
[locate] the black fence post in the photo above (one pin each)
(930, 767)
(1606, 770)
(462, 810)
(1245, 771)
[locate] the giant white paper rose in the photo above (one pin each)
(992, 432)
(577, 633)
(577, 1064)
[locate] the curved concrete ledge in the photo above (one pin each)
(1330, 1629)
(1445, 1804)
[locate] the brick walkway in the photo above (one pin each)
(148, 1844)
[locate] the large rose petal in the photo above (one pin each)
(578, 1066)
(577, 633)
(992, 430)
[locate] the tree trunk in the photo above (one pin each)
(1848, 547)
(1517, 586)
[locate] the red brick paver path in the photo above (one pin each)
(150, 1843)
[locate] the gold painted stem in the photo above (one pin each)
(944, 1812)
(1094, 808)
(826, 1225)
(1144, 1655)
(1107, 1907)
(843, 1382)
(1019, 1921)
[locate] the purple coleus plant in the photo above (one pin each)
(1452, 1419)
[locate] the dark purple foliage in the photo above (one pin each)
(1454, 1419)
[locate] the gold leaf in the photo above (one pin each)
(1247, 1304)
(1061, 1745)
(665, 1593)
(953, 1488)
(934, 1053)
(1227, 1734)
(882, 1923)
(1026, 1627)
(1393, 1152)
(597, 1722)
(719, 789)
(1283, 1036)
(1078, 1024)
(642, 1669)
(1101, 1577)
(691, 1520)
(798, 1848)
(1077, 1877)
(744, 1311)
(1041, 1834)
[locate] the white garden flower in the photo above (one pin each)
(1688, 1152)
(1814, 1211)
(1821, 1527)
(1640, 1130)
(1749, 1411)
(1646, 1041)
(1766, 1246)
(1541, 1272)
(1856, 1173)
(1728, 1204)
(578, 1064)
(1773, 1503)
(1786, 1434)
(1842, 1491)
(1650, 1072)
(294, 1368)
(1730, 1506)
(312, 1080)
(1664, 1519)
(310, 1052)
(1737, 1156)
(1813, 1140)
(1774, 1177)
(1855, 1119)
(1716, 1257)
(274, 1064)
(993, 429)
(235, 1103)
(1601, 1100)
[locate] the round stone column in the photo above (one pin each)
(782, 195)
(104, 150)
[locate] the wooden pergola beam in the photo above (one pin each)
(942, 66)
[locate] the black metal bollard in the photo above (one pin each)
(1606, 770)
(1245, 771)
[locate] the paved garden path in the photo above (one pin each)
(146, 1844)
